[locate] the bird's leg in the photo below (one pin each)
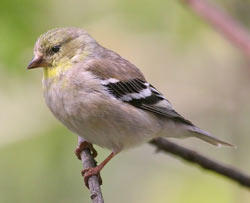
(83, 145)
(87, 173)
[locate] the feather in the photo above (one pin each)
(141, 94)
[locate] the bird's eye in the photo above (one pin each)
(55, 49)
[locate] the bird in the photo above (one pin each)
(103, 98)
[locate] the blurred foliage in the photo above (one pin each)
(19, 21)
(206, 79)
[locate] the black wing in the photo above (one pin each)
(144, 96)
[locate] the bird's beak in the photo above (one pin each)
(37, 62)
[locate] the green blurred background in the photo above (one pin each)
(202, 74)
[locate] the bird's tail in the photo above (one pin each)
(207, 137)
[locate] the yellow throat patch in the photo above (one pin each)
(54, 72)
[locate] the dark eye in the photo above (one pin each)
(55, 49)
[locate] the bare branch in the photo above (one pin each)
(206, 163)
(94, 186)
(222, 22)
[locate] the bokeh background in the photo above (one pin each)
(203, 75)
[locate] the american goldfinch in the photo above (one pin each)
(104, 98)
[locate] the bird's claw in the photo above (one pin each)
(83, 145)
(87, 173)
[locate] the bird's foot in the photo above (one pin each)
(83, 145)
(87, 173)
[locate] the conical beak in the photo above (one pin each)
(37, 62)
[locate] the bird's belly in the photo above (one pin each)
(109, 124)
(113, 127)
(112, 134)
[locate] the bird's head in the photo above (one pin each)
(59, 46)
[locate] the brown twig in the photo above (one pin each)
(206, 163)
(94, 186)
(221, 21)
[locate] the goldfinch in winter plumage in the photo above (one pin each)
(104, 98)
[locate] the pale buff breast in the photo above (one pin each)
(80, 103)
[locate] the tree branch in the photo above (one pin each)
(222, 22)
(206, 163)
(95, 189)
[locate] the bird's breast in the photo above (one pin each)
(54, 98)
(72, 105)
(94, 115)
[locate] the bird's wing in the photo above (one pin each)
(126, 83)
(141, 94)
(117, 68)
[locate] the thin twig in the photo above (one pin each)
(224, 23)
(206, 163)
(94, 186)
